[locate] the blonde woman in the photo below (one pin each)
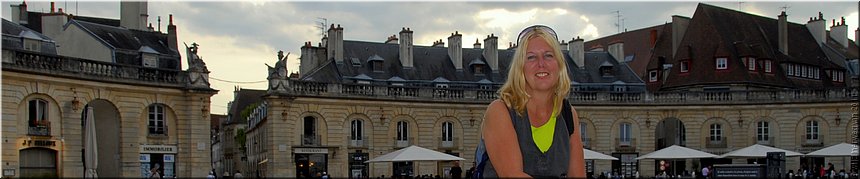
(523, 131)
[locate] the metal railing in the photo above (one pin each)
(311, 140)
(769, 141)
(625, 144)
(449, 144)
(718, 142)
(358, 143)
(39, 131)
(403, 143)
(586, 143)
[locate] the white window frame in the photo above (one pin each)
(685, 66)
(625, 132)
(716, 132)
(402, 131)
(812, 130)
(815, 73)
(722, 63)
(157, 120)
(41, 110)
(652, 76)
(149, 60)
(751, 63)
(356, 129)
(841, 76)
(32, 45)
(762, 131)
(447, 131)
(790, 70)
(768, 68)
(797, 70)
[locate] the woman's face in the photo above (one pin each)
(541, 67)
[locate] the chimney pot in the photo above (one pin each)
(52, 6)
(171, 19)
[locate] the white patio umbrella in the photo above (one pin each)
(592, 155)
(757, 151)
(414, 153)
(676, 152)
(91, 155)
(839, 150)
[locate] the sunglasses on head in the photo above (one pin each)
(529, 29)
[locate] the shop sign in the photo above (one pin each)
(311, 151)
(144, 157)
(158, 149)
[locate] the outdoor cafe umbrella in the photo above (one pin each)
(676, 152)
(592, 155)
(757, 151)
(839, 150)
(91, 155)
(414, 153)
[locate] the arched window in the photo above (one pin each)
(447, 131)
(37, 120)
(716, 133)
(762, 132)
(309, 136)
(583, 132)
(811, 131)
(402, 131)
(157, 120)
(356, 130)
(625, 134)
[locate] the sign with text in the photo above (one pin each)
(311, 151)
(740, 171)
(158, 149)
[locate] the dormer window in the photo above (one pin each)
(149, 60)
(815, 72)
(722, 63)
(790, 70)
(606, 69)
(355, 62)
(376, 63)
(652, 76)
(32, 45)
(768, 66)
(750, 62)
(685, 66)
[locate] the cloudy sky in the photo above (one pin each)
(238, 37)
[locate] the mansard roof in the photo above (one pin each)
(17, 32)
(242, 99)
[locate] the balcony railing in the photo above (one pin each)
(311, 140)
(483, 95)
(586, 143)
(625, 144)
(449, 144)
(812, 142)
(403, 143)
(33, 62)
(769, 141)
(358, 143)
(719, 142)
(39, 131)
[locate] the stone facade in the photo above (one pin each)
(332, 107)
(121, 97)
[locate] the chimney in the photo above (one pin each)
(783, 33)
(171, 34)
(477, 44)
(438, 43)
(133, 14)
(391, 39)
(491, 52)
(816, 28)
(839, 33)
(308, 60)
(455, 50)
(19, 13)
(52, 7)
(617, 51)
(323, 41)
(679, 27)
(653, 37)
(406, 47)
(334, 46)
(563, 45)
(52, 24)
(577, 52)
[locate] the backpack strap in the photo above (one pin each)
(567, 114)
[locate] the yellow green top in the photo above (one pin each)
(543, 135)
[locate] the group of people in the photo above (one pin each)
(820, 172)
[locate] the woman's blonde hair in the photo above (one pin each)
(513, 92)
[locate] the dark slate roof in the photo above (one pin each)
(838, 53)
(133, 40)
(242, 99)
(662, 55)
(637, 43)
(13, 35)
(720, 32)
(432, 63)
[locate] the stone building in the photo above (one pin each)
(148, 112)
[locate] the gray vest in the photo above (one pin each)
(552, 164)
